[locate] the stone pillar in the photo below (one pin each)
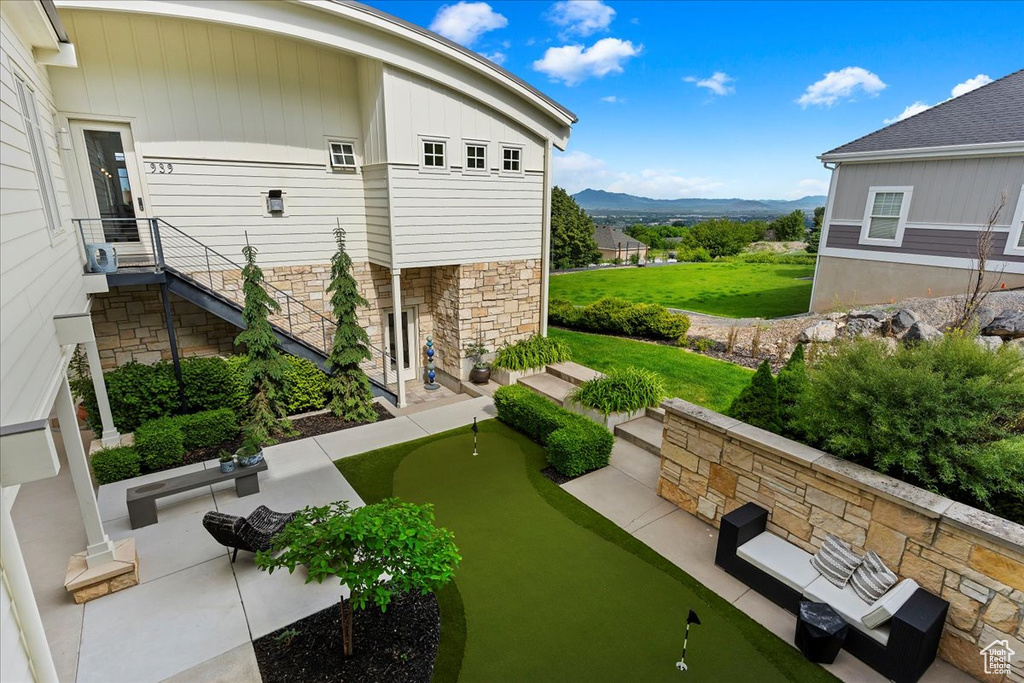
(110, 435)
(100, 549)
(397, 329)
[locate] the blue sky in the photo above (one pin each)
(729, 99)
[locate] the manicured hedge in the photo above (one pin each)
(621, 317)
(114, 464)
(160, 443)
(208, 428)
(209, 384)
(575, 445)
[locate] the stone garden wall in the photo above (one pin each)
(712, 464)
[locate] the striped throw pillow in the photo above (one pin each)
(872, 578)
(835, 561)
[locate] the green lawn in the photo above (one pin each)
(738, 290)
(548, 589)
(689, 376)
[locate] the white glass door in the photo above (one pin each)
(410, 342)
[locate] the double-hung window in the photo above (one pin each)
(885, 216)
(434, 154)
(476, 157)
(37, 150)
(1015, 240)
(511, 160)
(343, 156)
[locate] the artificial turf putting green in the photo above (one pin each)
(738, 290)
(548, 589)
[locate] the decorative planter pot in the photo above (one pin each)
(480, 375)
(507, 377)
(251, 460)
(228, 466)
(82, 413)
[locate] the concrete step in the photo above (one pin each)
(656, 414)
(478, 390)
(414, 408)
(645, 433)
(574, 373)
(548, 386)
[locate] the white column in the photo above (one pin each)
(16, 574)
(110, 436)
(545, 242)
(100, 549)
(397, 328)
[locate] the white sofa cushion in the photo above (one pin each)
(848, 604)
(779, 558)
(883, 609)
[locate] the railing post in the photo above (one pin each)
(157, 245)
(288, 309)
(323, 331)
(206, 250)
(384, 367)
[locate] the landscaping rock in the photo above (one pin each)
(919, 332)
(890, 344)
(990, 343)
(900, 323)
(861, 327)
(821, 331)
(876, 314)
(1009, 325)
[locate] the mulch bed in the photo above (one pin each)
(311, 425)
(399, 645)
(556, 476)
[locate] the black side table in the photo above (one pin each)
(820, 632)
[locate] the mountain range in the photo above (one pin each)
(600, 200)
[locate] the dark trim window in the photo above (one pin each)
(476, 157)
(343, 155)
(511, 159)
(433, 154)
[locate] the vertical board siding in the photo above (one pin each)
(371, 99)
(378, 221)
(40, 274)
(946, 191)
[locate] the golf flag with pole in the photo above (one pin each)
(475, 431)
(691, 618)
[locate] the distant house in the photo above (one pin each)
(907, 203)
(615, 244)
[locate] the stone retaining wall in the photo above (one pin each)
(712, 464)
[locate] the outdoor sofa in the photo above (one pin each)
(898, 635)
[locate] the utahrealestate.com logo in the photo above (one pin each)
(997, 657)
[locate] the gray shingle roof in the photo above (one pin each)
(608, 237)
(992, 113)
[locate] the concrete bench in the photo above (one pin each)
(142, 499)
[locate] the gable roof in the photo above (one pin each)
(990, 115)
(608, 237)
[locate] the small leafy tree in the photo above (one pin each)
(758, 403)
(789, 227)
(572, 233)
(792, 382)
(378, 551)
(348, 387)
(266, 366)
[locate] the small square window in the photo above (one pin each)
(343, 155)
(476, 158)
(433, 154)
(511, 159)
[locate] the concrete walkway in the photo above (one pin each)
(625, 493)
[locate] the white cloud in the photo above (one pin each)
(808, 186)
(840, 85)
(496, 57)
(464, 22)
(613, 99)
(717, 83)
(970, 84)
(577, 171)
(575, 63)
(581, 17)
(911, 110)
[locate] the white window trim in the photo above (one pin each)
(501, 160)
(49, 204)
(486, 170)
(901, 224)
(1016, 227)
(447, 154)
(332, 167)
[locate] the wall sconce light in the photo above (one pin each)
(275, 201)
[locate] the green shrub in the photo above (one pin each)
(1007, 500)
(792, 382)
(239, 388)
(137, 393)
(702, 344)
(697, 255)
(619, 316)
(534, 352)
(305, 386)
(574, 444)
(564, 313)
(114, 464)
(758, 403)
(623, 390)
(928, 414)
(606, 315)
(208, 428)
(160, 443)
(209, 383)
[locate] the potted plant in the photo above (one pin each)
(227, 462)
(481, 372)
(251, 451)
(79, 380)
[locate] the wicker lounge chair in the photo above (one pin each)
(252, 533)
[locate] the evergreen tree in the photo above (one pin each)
(266, 367)
(815, 237)
(572, 233)
(758, 403)
(348, 387)
(792, 382)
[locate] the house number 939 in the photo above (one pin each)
(161, 168)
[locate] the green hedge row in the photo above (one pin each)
(114, 464)
(621, 317)
(163, 443)
(575, 445)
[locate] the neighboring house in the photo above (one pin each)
(176, 132)
(908, 203)
(615, 244)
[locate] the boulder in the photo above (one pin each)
(821, 331)
(990, 343)
(875, 314)
(899, 323)
(1009, 325)
(920, 331)
(861, 327)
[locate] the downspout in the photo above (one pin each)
(545, 242)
